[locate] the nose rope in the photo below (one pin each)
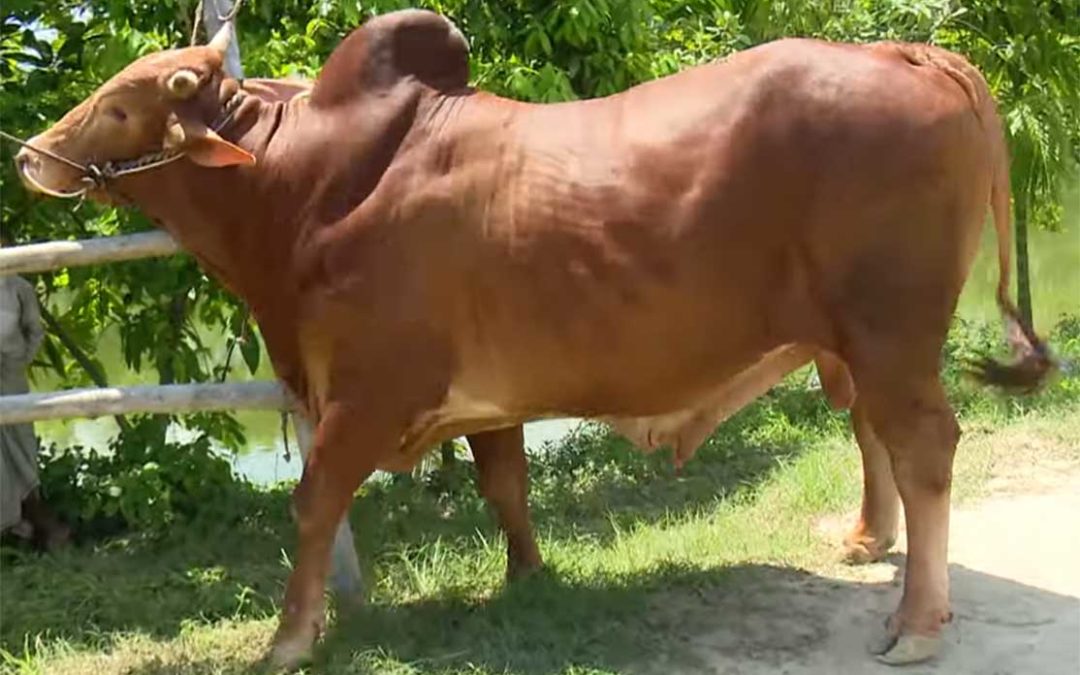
(43, 151)
(98, 176)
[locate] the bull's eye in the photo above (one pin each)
(116, 113)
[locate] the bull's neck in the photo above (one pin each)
(240, 223)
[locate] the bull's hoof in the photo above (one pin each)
(863, 550)
(905, 649)
(287, 657)
(894, 647)
(292, 648)
(518, 574)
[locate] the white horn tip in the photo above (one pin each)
(222, 38)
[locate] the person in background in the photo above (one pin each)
(22, 508)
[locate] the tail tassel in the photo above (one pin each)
(1031, 366)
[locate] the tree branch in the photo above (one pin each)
(84, 361)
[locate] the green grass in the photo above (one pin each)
(625, 539)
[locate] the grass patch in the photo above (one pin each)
(204, 602)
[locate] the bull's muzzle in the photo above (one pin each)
(43, 175)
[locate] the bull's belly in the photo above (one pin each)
(683, 429)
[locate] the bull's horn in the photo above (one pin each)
(183, 83)
(223, 38)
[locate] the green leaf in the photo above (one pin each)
(251, 350)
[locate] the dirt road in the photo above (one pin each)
(1015, 570)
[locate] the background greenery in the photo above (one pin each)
(171, 323)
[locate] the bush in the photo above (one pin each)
(142, 482)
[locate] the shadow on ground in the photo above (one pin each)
(745, 620)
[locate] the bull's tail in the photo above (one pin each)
(1032, 361)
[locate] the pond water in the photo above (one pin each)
(1055, 264)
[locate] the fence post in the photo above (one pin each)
(345, 580)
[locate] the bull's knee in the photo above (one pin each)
(921, 439)
(924, 463)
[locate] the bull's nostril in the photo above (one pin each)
(23, 161)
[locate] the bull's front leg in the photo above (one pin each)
(346, 581)
(336, 466)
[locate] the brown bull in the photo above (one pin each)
(426, 260)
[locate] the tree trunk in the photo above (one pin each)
(448, 454)
(176, 311)
(1023, 270)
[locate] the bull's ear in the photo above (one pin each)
(214, 151)
(202, 145)
(431, 48)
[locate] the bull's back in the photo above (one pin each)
(657, 240)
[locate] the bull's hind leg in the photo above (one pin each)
(332, 473)
(906, 407)
(502, 474)
(875, 532)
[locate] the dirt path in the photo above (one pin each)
(1015, 569)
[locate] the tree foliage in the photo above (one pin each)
(53, 54)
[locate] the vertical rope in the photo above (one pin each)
(195, 23)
